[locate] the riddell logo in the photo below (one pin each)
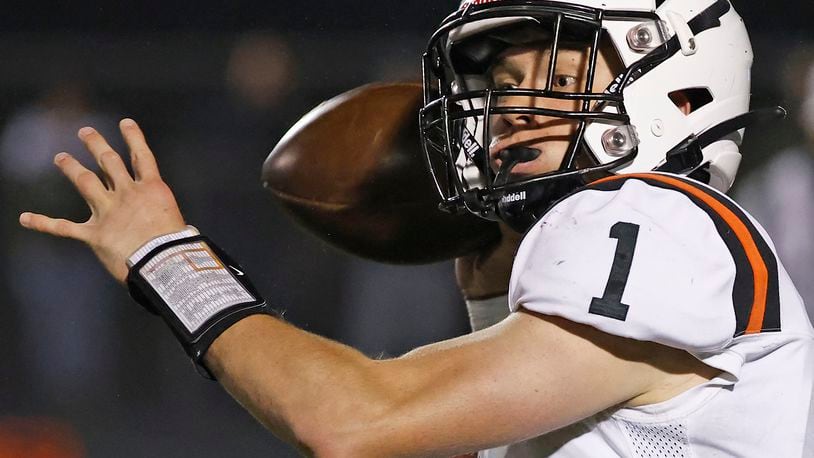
(469, 144)
(514, 197)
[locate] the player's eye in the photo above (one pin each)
(564, 81)
(504, 83)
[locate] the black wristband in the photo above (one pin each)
(197, 289)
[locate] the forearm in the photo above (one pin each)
(331, 400)
(326, 398)
(310, 391)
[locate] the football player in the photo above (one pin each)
(649, 313)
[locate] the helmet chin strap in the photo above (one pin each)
(520, 209)
(512, 207)
(688, 154)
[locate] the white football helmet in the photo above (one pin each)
(697, 48)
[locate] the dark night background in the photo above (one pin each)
(86, 372)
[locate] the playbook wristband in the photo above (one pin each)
(197, 289)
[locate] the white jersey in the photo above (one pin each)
(661, 258)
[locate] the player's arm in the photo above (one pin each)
(530, 374)
(526, 376)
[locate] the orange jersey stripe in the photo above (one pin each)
(759, 269)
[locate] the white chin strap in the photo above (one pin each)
(724, 167)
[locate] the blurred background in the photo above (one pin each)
(215, 84)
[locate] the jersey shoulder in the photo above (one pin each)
(653, 257)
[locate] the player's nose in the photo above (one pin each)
(525, 112)
(530, 109)
(517, 112)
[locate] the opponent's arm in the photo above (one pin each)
(531, 374)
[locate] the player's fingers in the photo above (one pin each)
(88, 184)
(53, 226)
(109, 161)
(141, 156)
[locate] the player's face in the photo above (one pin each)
(526, 67)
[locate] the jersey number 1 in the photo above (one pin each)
(610, 304)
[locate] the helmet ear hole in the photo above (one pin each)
(691, 100)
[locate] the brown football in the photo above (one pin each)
(352, 171)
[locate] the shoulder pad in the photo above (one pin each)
(652, 257)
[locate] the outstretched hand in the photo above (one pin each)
(126, 211)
